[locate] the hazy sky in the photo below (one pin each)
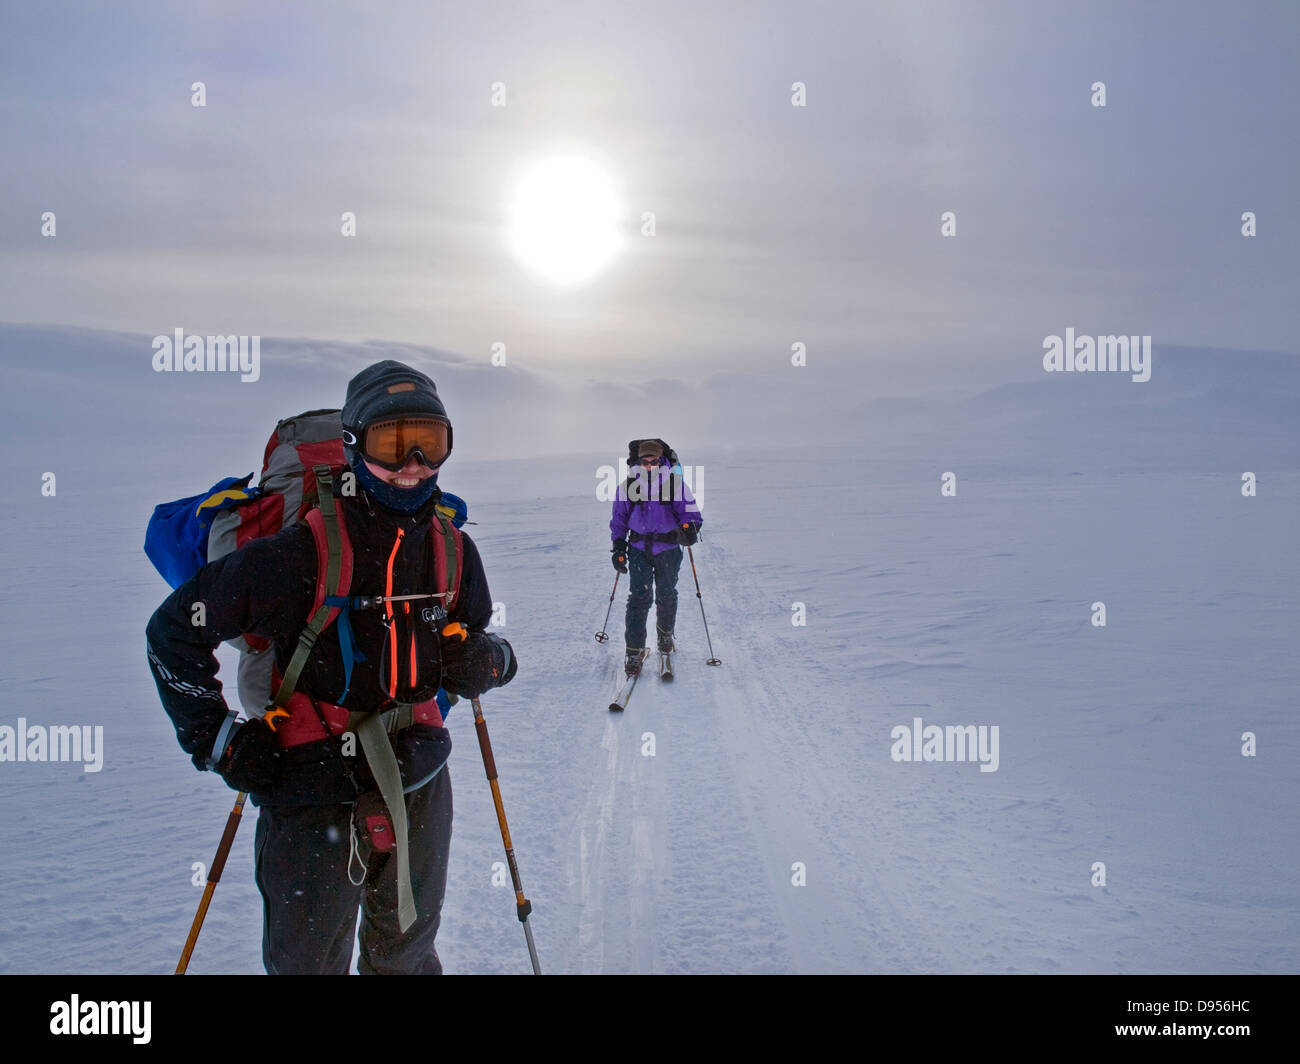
(774, 223)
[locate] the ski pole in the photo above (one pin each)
(712, 660)
(522, 905)
(214, 876)
(601, 637)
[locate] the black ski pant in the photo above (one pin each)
(653, 577)
(310, 903)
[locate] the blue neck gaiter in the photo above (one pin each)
(403, 500)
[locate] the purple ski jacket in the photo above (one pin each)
(646, 506)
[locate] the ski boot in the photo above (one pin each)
(632, 662)
(665, 641)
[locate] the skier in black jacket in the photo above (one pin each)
(315, 861)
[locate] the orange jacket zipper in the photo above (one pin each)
(392, 620)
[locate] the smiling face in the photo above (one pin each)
(409, 476)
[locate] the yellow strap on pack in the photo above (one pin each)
(217, 498)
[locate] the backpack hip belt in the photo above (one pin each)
(652, 537)
(309, 716)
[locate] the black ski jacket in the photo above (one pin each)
(267, 587)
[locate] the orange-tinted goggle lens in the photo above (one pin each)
(390, 443)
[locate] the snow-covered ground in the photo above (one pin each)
(1118, 744)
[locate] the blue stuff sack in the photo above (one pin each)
(176, 539)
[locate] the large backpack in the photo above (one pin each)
(634, 484)
(184, 535)
(635, 445)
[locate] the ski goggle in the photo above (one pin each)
(391, 443)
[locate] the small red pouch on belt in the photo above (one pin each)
(374, 825)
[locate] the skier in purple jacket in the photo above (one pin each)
(655, 515)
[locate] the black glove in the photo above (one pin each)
(619, 555)
(251, 761)
(476, 664)
(688, 533)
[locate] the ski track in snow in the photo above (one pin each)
(707, 831)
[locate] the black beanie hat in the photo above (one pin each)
(388, 388)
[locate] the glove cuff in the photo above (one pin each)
(506, 658)
(222, 740)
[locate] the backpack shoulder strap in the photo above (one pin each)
(445, 540)
(333, 581)
(334, 557)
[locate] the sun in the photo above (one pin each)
(563, 219)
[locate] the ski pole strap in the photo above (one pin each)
(383, 766)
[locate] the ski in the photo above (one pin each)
(665, 666)
(625, 692)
